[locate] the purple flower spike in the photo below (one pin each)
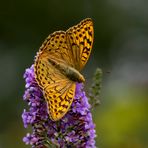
(75, 129)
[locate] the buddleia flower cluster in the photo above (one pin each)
(75, 129)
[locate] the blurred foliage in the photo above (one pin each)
(120, 46)
(124, 123)
(95, 89)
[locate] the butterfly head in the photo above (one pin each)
(81, 78)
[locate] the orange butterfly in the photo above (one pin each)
(58, 62)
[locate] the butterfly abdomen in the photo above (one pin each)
(68, 71)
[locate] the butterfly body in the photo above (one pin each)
(58, 64)
(68, 71)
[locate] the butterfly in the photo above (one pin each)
(58, 63)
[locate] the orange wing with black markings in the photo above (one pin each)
(80, 38)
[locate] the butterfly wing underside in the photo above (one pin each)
(58, 90)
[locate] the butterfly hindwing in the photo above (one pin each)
(58, 90)
(45, 73)
(59, 98)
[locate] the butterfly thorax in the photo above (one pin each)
(68, 71)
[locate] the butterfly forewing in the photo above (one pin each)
(81, 41)
(55, 46)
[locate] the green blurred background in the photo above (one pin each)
(120, 47)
